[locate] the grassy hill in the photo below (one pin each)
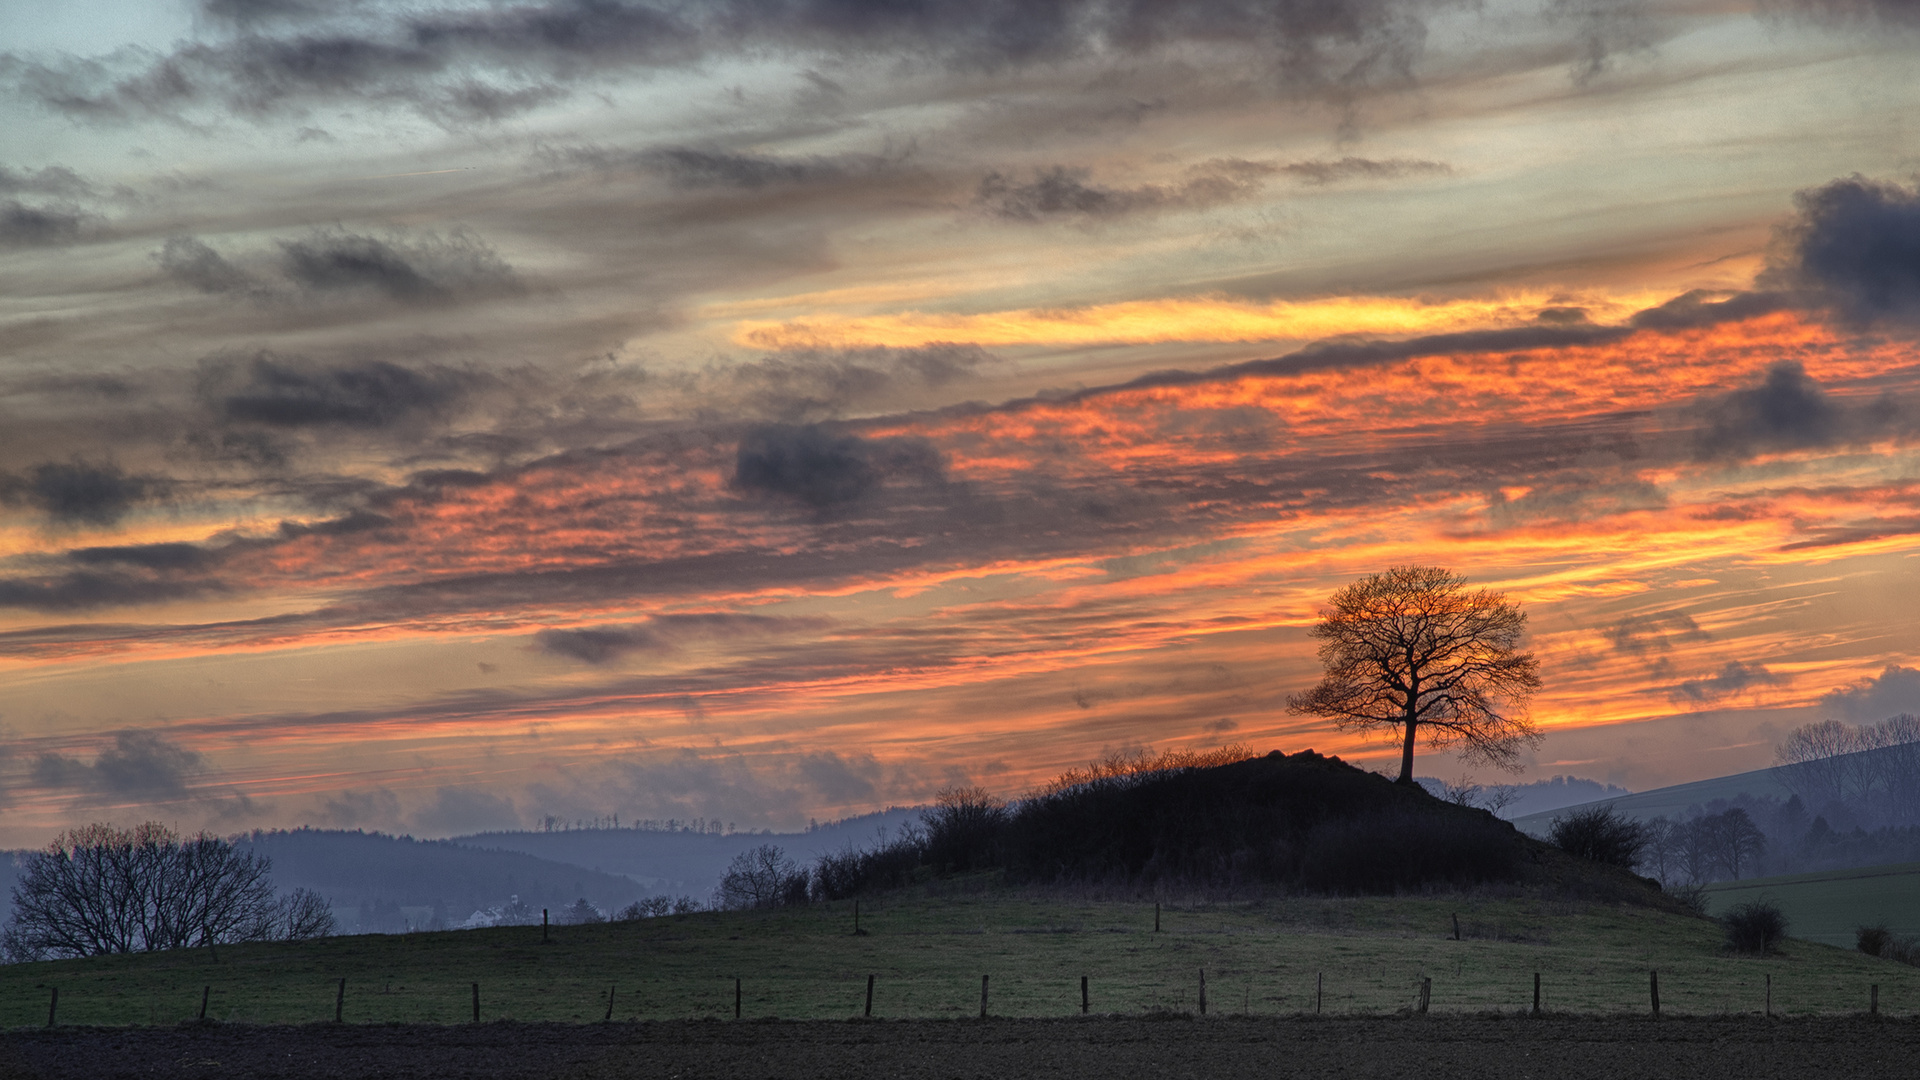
(1829, 905)
(928, 953)
(1669, 801)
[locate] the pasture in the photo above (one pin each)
(927, 953)
(1829, 905)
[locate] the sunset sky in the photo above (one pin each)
(433, 416)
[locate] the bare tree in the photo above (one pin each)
(1413, 651)
(98, 890)
(760, 878)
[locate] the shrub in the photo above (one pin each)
(1391, 850)
(761, 878)
(964, 830)
(1873, 940)
(1601, 834)
(1691, 897)
(1757, 927)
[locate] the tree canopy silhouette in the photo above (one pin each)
(1415, 651)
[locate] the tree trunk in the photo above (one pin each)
(1406, 755)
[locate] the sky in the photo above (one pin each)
(440, 416)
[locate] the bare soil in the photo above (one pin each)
(1432, 1048)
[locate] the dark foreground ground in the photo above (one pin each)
(1507, 1048)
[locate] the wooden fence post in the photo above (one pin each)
(1319, 991)
(610, 991)
(1769, 997)
(1426, 994)
(476, 1003)
(1653, 988)
(1156, 916)
(869, 1011)
(1536, 993)
(1873, 1000)
(1203, 991)
(340, 1002)
(983, 997)
(1083, 995)
(205, 993)
(543, 926)
(1456, 926)
(736, 997)
(53, 1004)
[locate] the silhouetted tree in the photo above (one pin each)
(1601, 834)
(1414, 651)
(762, 877)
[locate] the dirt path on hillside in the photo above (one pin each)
(1431, 1048)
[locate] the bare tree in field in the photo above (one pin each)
(761, 878)
(98, 890)
(1414, 652)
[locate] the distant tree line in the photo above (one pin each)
(99, 890)
(1872, 770)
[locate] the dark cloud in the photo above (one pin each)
(1855, 245)
(1061, 191)
(141, 765)
(192, 263)
(1732, 678)
(427, 269)
(840, 779)
(84, 590)
(689, 168)
(1697, 308)
(818, 384)
(78, 492)
(295, 392)
(1894, 691)
(1787, 411)
(50, 180)
(599, 645)
(1641, 635)
(1320, 173)
(823, 469)
(39, 226)
(485, 62)
(1603, 29)
(164, 556)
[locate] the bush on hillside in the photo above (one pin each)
(850, 872)
(963, 830)
(761, 878)
(1873, 940)
(1601, 834)
(1757, 927)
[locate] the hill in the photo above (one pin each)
(1669, 801)
(1829, 905)
(686, 862)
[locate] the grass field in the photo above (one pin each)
(928, 955)
(1828, 906)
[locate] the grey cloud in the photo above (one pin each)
(1640, 635)
(295, 392)
(818, 384)
(192, 263)
(1894, 691)
(1321, 173)
(426, 269)
(162, 556)
(78, 492)
(825, 470)
(39, 226)
(464, 809)
(598, 645)
(840, 779)
(141, 765)
(288, 53)
(1870, 14)
(1733, 678)
(1787, 411)
(82, 590)
(1855, 245)
(1061, 191)
(48, 180)
(691, 168)
(1697, 308)
(1603, 29)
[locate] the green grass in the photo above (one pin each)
(1829, 905)
(929, 953)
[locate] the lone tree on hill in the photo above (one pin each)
(1414, 651)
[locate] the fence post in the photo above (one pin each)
(1456, 926)
(1536, 993)
(1156, 916)
(205, 993)
(610, 990)
(1873, 1000)
(476, 1003)
(1083, 995)
(983, 997)
(1426, 994)
(1653, 987)
(736, 997)
(1769, 997)
(869, 1011)
(543, 926)
(1203, 991)
(340, 1002)
(53, 1004)
(1319, 991)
